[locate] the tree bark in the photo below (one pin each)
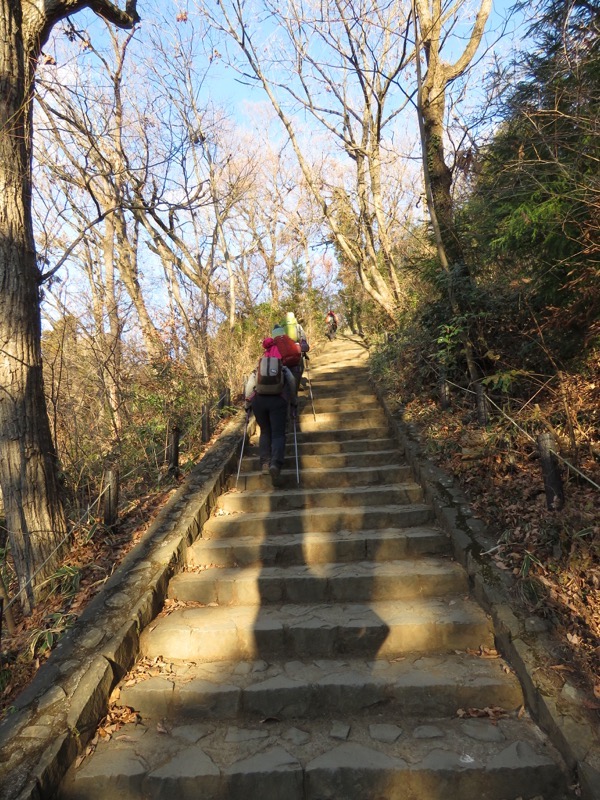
(430, 18)
(35, 515)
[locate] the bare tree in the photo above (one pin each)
(28, 470)
(343, 62)
(431, 19)
(277, 216)
(434, 22)
(83, 129)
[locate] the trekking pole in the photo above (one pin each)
(242, 450)
(310, 389)
(296, 449)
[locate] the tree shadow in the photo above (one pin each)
(320, 623)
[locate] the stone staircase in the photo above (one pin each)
(321, 643)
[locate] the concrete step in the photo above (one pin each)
(316, 520)
(291, 497)
(339, 369)
(334, 583)
(319, 548)
(320, 643)
(380, 757)
(330, 391)
(328, 446)
(344, 420)
(384, 629)
(341, 402)
(341, 358)
(328, 478)
(363, 432)
(412, 687)
(353, 383)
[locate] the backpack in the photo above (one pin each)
(269, 376)
(291, 352)
(291, 329)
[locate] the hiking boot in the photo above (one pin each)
(275, 475)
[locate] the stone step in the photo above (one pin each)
(342, 403)
(335, 370)
(374, 758)
(340, 358)
(330, 447)
(412, 687)
(327, 478)
(328, 651)
(329, 393)
(334, 583)
(292, 498)
(349, 421)
(333, 388)
(364, 432)
(316, 520)
(384, 629)
(319, 548)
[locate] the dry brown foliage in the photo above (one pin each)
(554, 556)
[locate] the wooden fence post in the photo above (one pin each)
(205, 423)
(555, 497)
(444, 389)
(111, 497)
(482, 409)
(8, 615)
(173, 450)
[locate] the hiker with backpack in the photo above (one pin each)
(291, 340)
(269, 391)
(331, 325)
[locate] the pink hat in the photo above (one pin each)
(271, 348)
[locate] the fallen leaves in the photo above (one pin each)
(553, 557)
(484, 652)
(489, 712)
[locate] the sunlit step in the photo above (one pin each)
(291, 497)
(319, 520)
(329, 474)
(319, 548)
(361, 581)
(411, 686)
(377, 629)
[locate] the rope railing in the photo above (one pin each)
(547, 448)
(525, 433)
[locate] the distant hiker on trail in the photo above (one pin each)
(331, 325)
(270, 389)
(293, 343)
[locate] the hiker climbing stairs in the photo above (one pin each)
(320, 642)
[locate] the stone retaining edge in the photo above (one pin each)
(57, 715)
(523, 640)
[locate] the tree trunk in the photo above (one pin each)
(440, 174)
(28, 471)
(34, 512)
